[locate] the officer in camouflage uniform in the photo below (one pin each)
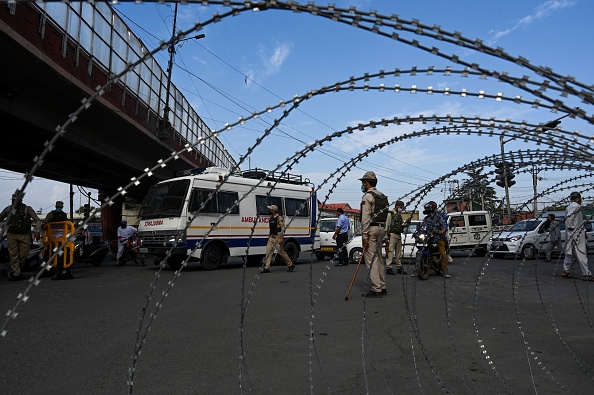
(19, 236)
(394, 229)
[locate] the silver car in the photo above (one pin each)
(355, 246)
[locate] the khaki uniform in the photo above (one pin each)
(19, 243)
(277, 227)
(374, 233)
(394, 242)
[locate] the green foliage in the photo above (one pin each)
(477, 188)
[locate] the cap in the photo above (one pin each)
(273, 208)
(400, 203)
(368, 176)
(59, 204)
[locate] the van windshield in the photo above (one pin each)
(524, 226)
(165, 200)
(328, 225)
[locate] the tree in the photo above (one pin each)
(476, 188)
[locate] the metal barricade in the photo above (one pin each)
(55, 234)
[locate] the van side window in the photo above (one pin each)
(262, 203)
(297, 207)
(457, 221)
(477, 220)
(226, 200)
(198, 197)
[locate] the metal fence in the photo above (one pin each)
(104, 36)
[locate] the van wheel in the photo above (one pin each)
(320, 256)
(528, 252)
(292, 251)
(212, 257)
(355, 254)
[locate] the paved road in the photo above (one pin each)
(508, 328)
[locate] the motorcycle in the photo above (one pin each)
(131, 250)
(93, 253)
(34, 258)
(428, 255)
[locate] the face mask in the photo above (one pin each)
(363, 188)
(58, 208)
(399, 209)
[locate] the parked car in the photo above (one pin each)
(525, 239)
(327, 226)
(355, 246)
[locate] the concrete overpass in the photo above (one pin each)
(54, 55)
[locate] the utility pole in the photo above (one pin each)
(171, 50)
(71, 203)
(534, 183)
(164, 126)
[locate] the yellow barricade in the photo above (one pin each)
(56, 234)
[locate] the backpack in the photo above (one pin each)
(20, 221)
(380, 208)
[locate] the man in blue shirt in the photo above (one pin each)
(341, 235)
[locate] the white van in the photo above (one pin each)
(469, 230)
(327, 228)
(212, 236)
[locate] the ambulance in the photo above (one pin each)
(181, 217)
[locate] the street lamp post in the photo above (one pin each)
(547, 126)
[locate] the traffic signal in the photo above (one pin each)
(504, 170)
(86, 210)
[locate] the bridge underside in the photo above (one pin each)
(103, 149)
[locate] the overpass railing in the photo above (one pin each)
(104, 36)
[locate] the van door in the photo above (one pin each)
(458, 229)
(479, 228)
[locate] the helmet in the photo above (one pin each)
(575, 196)
(429, 207)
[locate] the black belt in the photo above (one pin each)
(376, 224)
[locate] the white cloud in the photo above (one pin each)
(542, 11)
(272, 62)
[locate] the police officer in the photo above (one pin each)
(19, 235)
(373, 235)
(57, 215)
(394, 229)
(275, 240)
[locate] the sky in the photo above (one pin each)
(254, 60)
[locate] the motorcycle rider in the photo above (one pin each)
(124, 233)
(436, 226)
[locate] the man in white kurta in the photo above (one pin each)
(575, 248)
